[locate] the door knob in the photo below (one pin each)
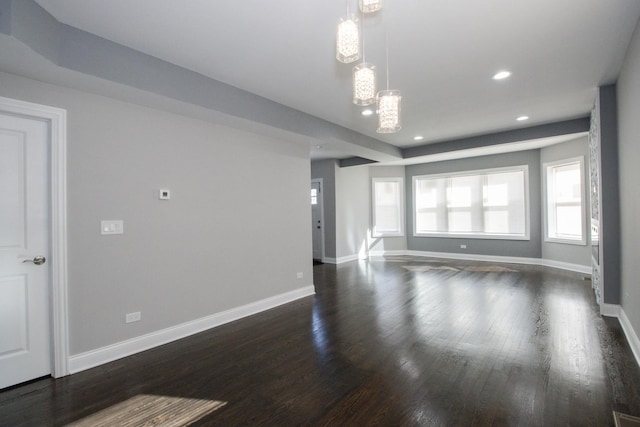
(37, 260)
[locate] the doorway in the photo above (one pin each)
(33, 277)
(317, 220)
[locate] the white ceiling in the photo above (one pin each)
(442, 54)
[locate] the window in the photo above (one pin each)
(565, 211)
(489, 204)
(388, 212)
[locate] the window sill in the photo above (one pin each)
(565, 241)
(473, 236)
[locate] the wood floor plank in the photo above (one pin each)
(403, 341)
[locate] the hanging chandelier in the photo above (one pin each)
(348, 40)
(388, 103)
(368, 6)
(389, 111)
(364, 84)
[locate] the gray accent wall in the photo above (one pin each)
(515, 248)
(235, 231)
(609, 196)
(628, 101)
(572, 254)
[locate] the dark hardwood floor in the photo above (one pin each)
(402, 341)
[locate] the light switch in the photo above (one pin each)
(112, 227)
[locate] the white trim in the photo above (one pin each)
(610, 310)
(93, 358)
(342, 260)
(57, 119)
(471, 235)
(584, 269)
(321, 203)
(401, 205)
(545, 201)
(632, 337)
(387, 253)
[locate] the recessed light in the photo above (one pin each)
(522, 118)
(418, 138)
(367, 112)
(501, 75)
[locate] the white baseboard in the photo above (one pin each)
(388, 253)
(342, 260)
(610, 310)
(630, 333)
(584, 269)
(93, 358)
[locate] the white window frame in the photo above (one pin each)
(486, 236)
(545, 197)
(401, 207)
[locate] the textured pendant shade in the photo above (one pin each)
(367, 6)
(364, 84)
(389, 102)
(348, 41)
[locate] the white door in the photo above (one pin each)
(24, 239)
(316, 220)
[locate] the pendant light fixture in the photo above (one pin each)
(364, 84)
(389, 103)
(348, 39)
(368, 6)
(364, 80)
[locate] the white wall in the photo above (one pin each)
(235, 231)
(352, 211)
(628, 94)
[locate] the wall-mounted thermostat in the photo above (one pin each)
(164, 194)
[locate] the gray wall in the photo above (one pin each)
(235, 231)
(573, 254)
(628, 91)
(516, 248)
(326, 169)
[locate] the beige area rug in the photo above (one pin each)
(150, 410)
(624, 420)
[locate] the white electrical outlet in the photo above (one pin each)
(463, 246)
(132, 317)
(112, 227)
(299, 275)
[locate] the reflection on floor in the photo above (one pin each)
(438, 264)
(378, 344)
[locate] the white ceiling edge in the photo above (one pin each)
(510, 147)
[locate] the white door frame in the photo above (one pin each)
(321, 204)
(57, 119)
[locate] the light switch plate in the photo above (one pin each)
(112, 227)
